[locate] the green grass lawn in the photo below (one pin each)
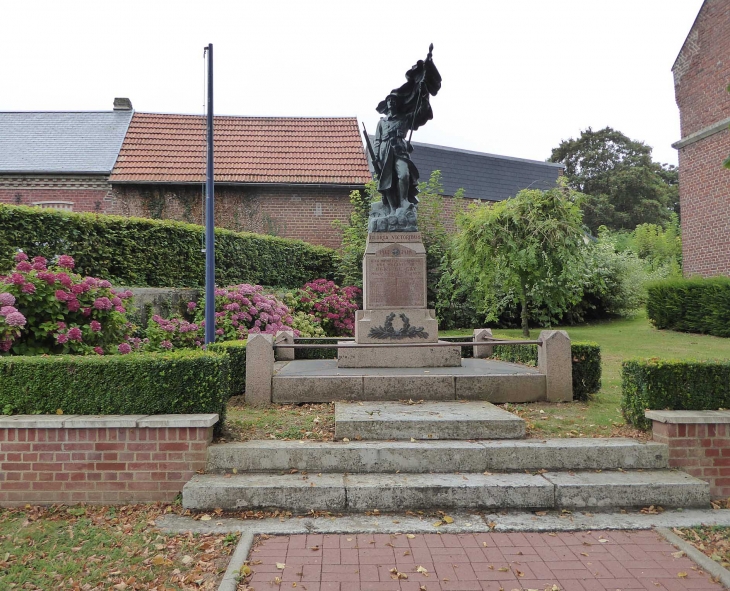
(105, 548)
(619, 339)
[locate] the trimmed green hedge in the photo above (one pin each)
(586, 369)
(691, 305)
(675, 385)
(315, 353)
(236, 353)
(156, 253)
(179, 382)
(586, 361)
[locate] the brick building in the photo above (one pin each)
(288, 176)
(701, 75)
(61, 159)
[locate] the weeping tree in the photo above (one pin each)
(526, 250)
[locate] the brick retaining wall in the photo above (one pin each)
(100, 460)
(699, 444)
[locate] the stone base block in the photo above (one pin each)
(396, 326)
(399, 357)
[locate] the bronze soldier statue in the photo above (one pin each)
(405, 109)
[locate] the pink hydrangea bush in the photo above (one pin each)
(47, 308)
(175, 333)
(239, 310)
(332, 305)
(243, 309)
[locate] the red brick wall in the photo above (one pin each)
(701, 450)
(704, 191)
(88, 193)
(305, 213)
(701, 75)
(702, 69)
(98, 466)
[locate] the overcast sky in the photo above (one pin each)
(518, 76)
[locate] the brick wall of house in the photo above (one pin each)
(98, 465)
(305, 213)
(702, 450)
(701, 75)
(702, 69)
(87, 193)
(705, 204)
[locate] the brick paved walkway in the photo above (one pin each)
(577, 561)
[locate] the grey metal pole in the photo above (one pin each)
(210, 217)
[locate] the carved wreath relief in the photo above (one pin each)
(405, 332)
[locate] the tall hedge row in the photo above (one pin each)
(157, 253)
(179, 382)
(672, 385)
(691, 305)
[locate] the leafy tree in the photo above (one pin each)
(436, 239)
(624, 186)
(527, 248)
(355, 233)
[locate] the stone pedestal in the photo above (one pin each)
(395, 307)
(394, 271)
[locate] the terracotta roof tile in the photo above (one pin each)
(171, 149)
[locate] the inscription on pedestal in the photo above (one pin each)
(395, 237)
(396, 282)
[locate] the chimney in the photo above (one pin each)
(122, 104)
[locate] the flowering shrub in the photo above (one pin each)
(50, 309)
(239, 310)
(243, 309)
(334, 306)
(175, 333)
(307, 325)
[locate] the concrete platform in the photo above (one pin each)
(476, 379)
(436, 456)
(428, 420)
(667, 488)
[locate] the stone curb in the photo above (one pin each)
(703, 561)
(463, 523)
(106, 421)
(232, 574)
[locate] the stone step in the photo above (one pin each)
(668, 488)
(427, 420)
(477, 379)
(398, 492)
(437, 456)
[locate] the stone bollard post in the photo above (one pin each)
(259, 369)
(284, 336)
(484, 350)
(555, 360)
